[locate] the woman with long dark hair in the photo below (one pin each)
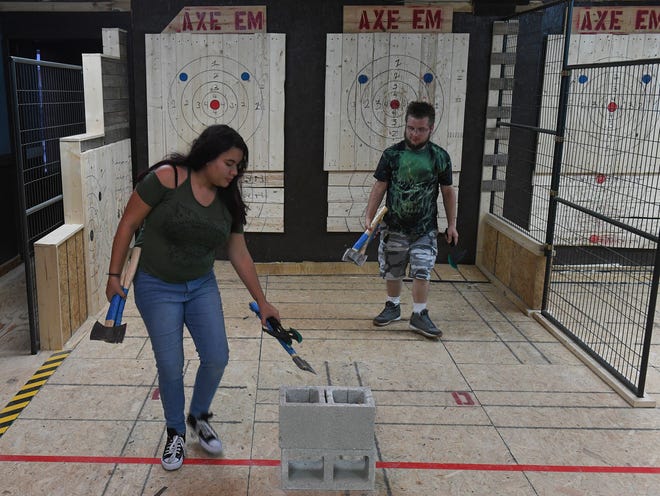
(187, 206)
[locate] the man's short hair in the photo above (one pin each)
(419, 110)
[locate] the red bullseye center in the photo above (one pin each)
(395, 104)
(612, 106)
(214, 104)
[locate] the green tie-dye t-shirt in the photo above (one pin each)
(413, 183)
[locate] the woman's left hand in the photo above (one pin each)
(267, 310)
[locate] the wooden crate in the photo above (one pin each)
(61, 288)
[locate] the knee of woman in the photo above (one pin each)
(218, 362)
(170, 376)
(169, 370)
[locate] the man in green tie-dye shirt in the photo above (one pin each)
(412, 173)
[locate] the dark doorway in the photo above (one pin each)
(61, 51)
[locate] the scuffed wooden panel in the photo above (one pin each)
(370, 80)
(194, 81)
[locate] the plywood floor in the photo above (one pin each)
(497, 407)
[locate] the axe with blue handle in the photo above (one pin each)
(112, 330)
(357, 253)
(276, 330)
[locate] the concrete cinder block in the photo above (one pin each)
(324, 469)
(327, 438)
(328, 417)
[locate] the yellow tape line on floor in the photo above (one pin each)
(14, 408)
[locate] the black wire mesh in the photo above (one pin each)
(602, 295)
(529, 147)
(582, 176)
(48, 104)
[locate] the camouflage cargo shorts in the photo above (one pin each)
(397, 250)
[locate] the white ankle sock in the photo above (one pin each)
(418, 307)
(394, 299)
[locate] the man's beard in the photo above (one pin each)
(414, 147)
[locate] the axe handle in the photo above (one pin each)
(117, 303)
(368, 233)
(131, 267)
(112, 310)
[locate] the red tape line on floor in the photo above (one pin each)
(485, 467)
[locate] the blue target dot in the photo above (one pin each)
(245, 76)
(583, 79)
(183, 76)
(646, 78)
(428, 77)
(362, 79)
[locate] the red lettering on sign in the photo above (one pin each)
(201, 26)
(214, 20)
(364, 21)
(156, 394)
(378, 23)
(417, 18)
(255, 21)
(239, 20)
(433, 20)
(392, 17)
(186, 25)
(606, 20)
(647, 19)
(615, 21)
(600, 23)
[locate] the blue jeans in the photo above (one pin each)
(165, 307)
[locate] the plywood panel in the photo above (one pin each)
(61, 301)
(107, 184)
(368, 88)
(610, 164)
(194, 81)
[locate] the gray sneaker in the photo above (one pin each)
(390, 313)
(422, 324)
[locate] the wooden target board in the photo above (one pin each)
(610, 164)
(194, 81)
(370, 80)
(106, 186)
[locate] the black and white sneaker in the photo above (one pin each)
(422, 324)
(174, 452)
(390, 313)
(208, 438)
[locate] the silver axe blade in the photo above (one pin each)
(357, 253)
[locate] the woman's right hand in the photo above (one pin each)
(113, 287)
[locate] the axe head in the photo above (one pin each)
(114, 334)
(455, 257)
(355, 256)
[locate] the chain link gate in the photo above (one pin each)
(603, 293)
(48, 104)
(580, 168)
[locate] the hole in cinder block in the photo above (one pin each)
(308, 469)
(347, 467)
(302, 395)
(353, 396)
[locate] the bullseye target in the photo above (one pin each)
(371, 78)
(380, 93)
(612, 107)
(215, 90)
(195, 81)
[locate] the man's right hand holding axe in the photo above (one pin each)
(357, 253)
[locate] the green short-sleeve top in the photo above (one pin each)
(180, 236)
